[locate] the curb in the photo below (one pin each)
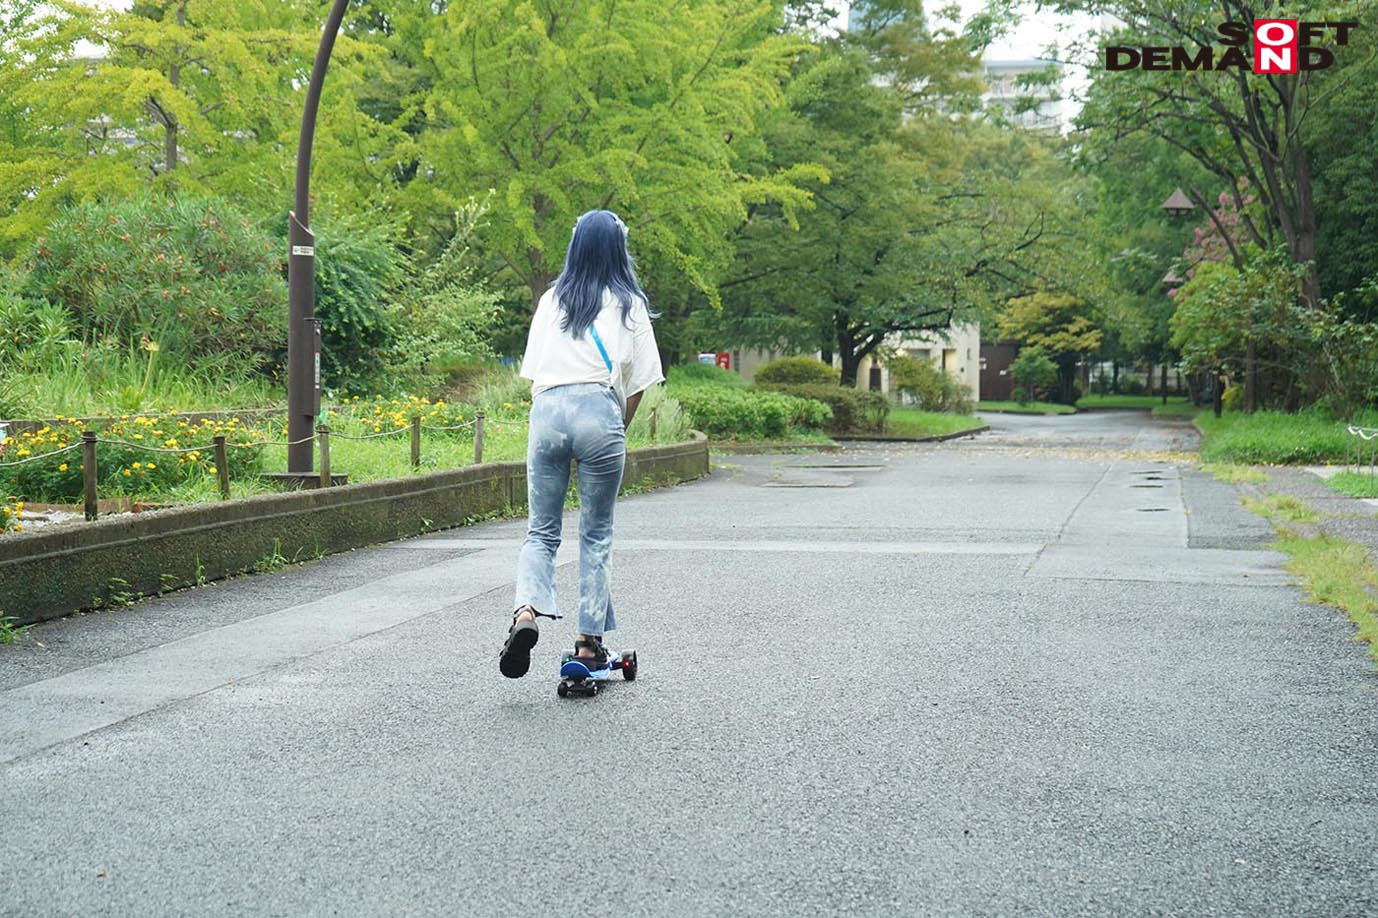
(48, 574)
(936, 438)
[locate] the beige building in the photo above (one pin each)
(956, 350)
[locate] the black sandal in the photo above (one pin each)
(598, 661)
(515, 658)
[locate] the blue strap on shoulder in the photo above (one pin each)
(607, 361)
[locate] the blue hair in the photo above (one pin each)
(597, 260)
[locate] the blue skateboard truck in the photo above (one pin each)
(577, 679)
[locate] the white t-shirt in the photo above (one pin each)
(553, 358)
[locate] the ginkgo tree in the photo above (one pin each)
(562, 107)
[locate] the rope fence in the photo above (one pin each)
(220, 449)
(1363, 436)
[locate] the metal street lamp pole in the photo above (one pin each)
(303, 329)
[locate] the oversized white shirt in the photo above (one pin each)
(553, 358)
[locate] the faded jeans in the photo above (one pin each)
(583, 422)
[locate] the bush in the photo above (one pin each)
(1034, 374)
(732, 412)
(853, 410)
(690, 374)
(1232, 399)
(358, 265)
(193, 275)
(929, 386)
(671, 424)
(444, 322)
(797, 371)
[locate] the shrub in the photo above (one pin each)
(853, 410)
(444, 321)
(1034, 373)
(358, 265)
(732, 412)
(191, 274)
(930, 387)
(690, 374)
(671, 423)
(1232, 399)
(797, 371)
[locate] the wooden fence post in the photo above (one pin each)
(88, 471)
(416, 442)
(222, 466)
(478, 438)
(323, 437)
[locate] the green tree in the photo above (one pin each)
(561, 108)
(1061, 325)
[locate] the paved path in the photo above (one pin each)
(1047, 670)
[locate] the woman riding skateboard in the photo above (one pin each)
(590, 354)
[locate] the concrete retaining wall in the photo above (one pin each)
(47, 574)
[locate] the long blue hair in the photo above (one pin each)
(597, 260)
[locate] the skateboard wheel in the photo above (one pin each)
(629, 665)
(562, 690)
(593, 689)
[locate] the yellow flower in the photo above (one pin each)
(19, 505)
(152, 466)
(62, 468)
(127, 473)
(214, 470)
(22, 451)
(136, 465)
(18, 527)
(138, 436)
(4, 511)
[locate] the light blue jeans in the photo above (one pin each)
(582, 422)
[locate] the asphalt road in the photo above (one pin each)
(1047, 670)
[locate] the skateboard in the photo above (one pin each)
(577, 679)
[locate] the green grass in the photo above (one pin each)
(1182, 408)
(1130, 401)
(911, 422)
(1336, 573)
(1234, 474)
(9, 631)
(1354, 484)
(1030, 408)
(119, 386)
(1282, 507)
(1273, 438)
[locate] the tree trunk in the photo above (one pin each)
(1251, 376)
(1067, 378)
(174, 76)
(1114, 376)
(1164, 378)
(846, 350)
(1218, 397)
(850, 364)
